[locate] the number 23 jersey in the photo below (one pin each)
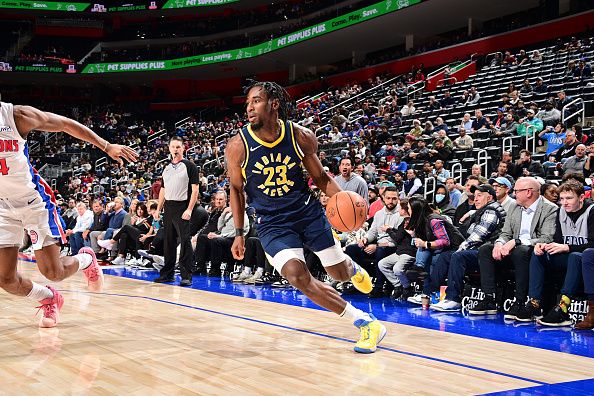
(273, 173)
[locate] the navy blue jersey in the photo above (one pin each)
(273, 173)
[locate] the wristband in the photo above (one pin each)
(518, 241)
(239, 232)
(106, 145)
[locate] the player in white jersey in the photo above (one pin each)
(27, 203)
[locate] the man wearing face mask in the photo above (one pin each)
(550, 116)
(442, 202)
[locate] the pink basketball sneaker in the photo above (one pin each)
(93, 272)
(51, 309)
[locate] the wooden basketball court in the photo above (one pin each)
(140, 338)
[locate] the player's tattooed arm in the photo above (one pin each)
(308, 143)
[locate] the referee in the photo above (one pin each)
(179, 193)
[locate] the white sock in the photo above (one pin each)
(39, 292)
(84, 260)
(355, 313)
(247, 270)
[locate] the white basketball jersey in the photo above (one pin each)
(17, 176)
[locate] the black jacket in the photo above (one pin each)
(402, 239)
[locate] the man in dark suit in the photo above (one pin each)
(532, 221)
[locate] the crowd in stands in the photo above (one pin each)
(230, 20)
(428, 225)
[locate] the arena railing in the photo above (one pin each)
(321, 130)
(182, 122)
(482, 159)
(100, 161)
(507, 144)
(429, 191)
(159, 165)
(492, 54)
(531, 138)
(457, 169)
(303, 99)
(435, 72)
(581, 110)
(156, 135)
(414, 88)
(355, 115)
(207, 164)
(358, 95)
(446, 79)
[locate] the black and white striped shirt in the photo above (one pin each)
(178, 179)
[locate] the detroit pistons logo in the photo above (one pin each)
(34, 236)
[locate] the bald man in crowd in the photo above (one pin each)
(530, 222)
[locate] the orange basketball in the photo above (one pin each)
(346, 211)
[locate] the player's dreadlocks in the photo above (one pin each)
(274, 91)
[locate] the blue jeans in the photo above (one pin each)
(76, 242)
(456, 264)
(423, 258)
(571, 262)
(588, 272)
(108, 234)
(431, 282)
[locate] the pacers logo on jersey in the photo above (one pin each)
(274, 168)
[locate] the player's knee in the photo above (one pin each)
(301, 280)
(297, 275)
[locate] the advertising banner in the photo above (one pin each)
(341, 22)
(45, 5)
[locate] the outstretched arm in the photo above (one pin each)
(234, 156)
(309, 145)
(28, 118)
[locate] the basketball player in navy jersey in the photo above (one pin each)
(27, 203)
(266, 159)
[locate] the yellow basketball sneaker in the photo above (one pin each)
(372, 333)
(361, 280)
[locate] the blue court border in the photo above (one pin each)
(393, 350)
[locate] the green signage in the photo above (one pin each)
(44, 5)
(38, 68)
(350, 19)
(195, 3)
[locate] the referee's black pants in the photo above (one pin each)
(176, 227)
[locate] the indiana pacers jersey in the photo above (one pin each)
(274, 180)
